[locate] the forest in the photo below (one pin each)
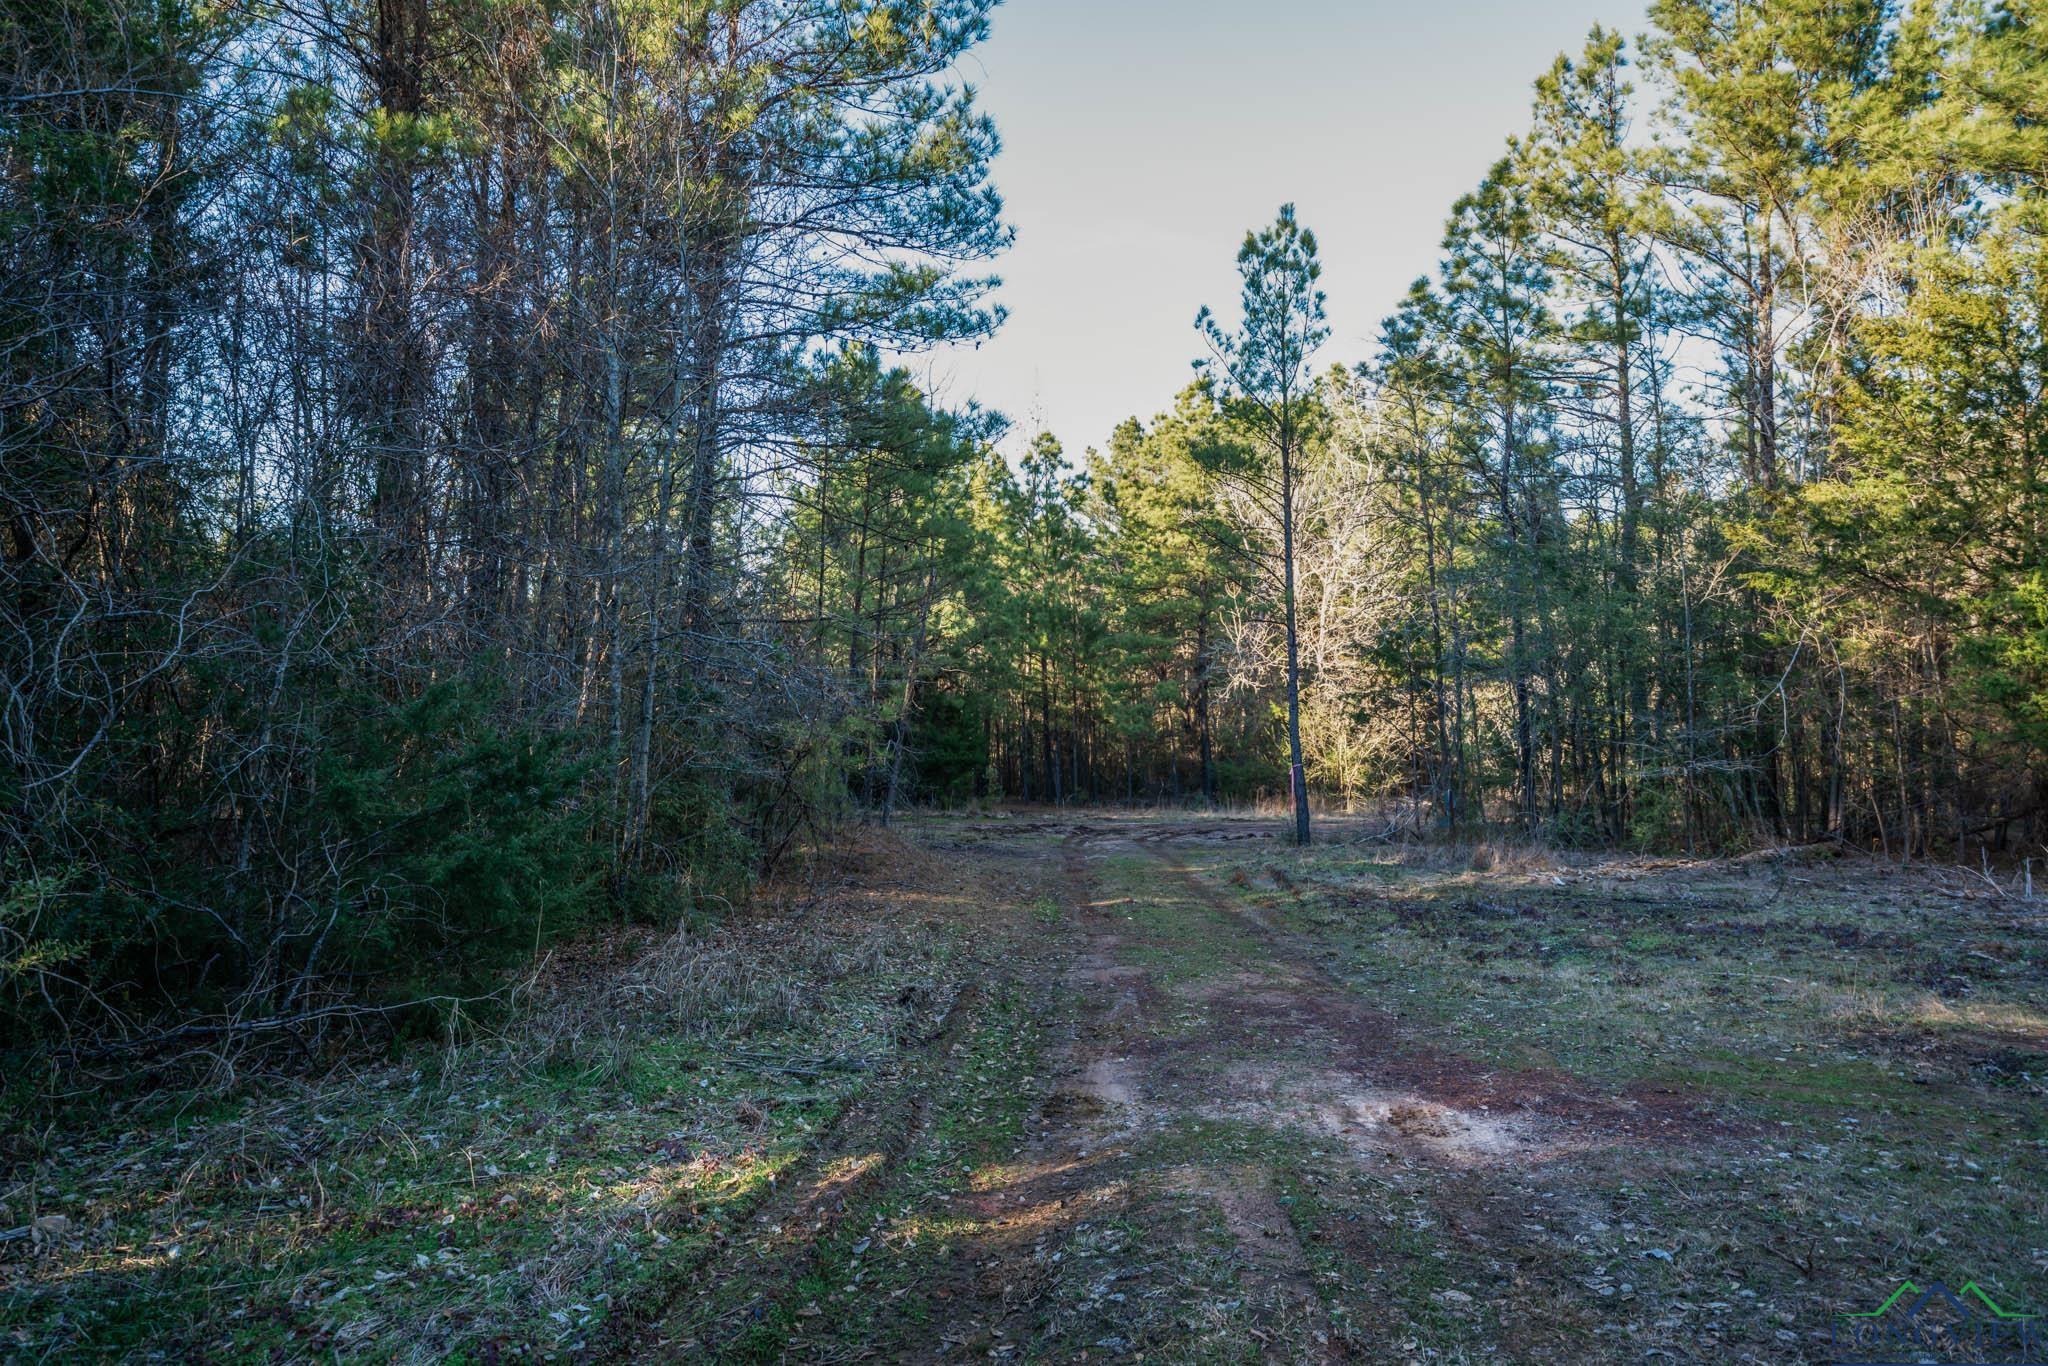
(461, 478)
(464, 484)
(560, 800)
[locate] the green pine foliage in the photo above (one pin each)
(462, 480)
(460, 847)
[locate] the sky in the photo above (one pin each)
(1141, 138)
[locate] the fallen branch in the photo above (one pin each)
(1804, 1266)
(242, 1029)
(810, 1069)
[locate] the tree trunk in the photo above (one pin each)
(1204, 735)
(1297, 773)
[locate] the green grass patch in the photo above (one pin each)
(501, 1195)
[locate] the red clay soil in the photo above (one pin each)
(1295, 997)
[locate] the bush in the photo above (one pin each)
(380, 850)
(462, 844)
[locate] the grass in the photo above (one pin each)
(502, 1195)
(1853, 1063)
(1869, 1050)
(877, 1278)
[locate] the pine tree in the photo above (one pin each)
(1264, 378)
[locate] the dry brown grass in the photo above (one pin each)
(706, 988)
(1499, 854)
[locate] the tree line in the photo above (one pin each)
(461, 480)
(406, 408)
(1694, 499)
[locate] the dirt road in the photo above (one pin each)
(1221, 1150)
(1108, 1088)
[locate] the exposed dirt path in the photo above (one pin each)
(1193, 1080)
(1386, 1087)
(1085, 1167)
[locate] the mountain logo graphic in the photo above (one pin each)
(1965, 1327)
(1960, 1299)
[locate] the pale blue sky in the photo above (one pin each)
(1142, 137)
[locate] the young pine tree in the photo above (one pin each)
(1265, 384)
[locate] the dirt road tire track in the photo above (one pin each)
(885, 1121)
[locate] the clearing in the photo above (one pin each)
(1102, 1087)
